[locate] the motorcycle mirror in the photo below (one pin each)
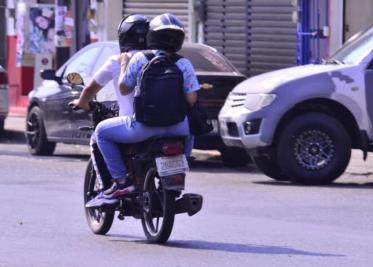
(75, 78)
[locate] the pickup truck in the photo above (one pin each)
(299, 124)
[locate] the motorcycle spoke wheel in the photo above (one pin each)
(99, 220)
(157, 208)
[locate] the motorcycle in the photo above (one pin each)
(158, 168)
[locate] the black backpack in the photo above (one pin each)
(161, 100)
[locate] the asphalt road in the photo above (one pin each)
(247, 219)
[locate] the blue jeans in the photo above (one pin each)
(125, 129)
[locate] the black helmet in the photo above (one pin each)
(166, 32)
(132, 32)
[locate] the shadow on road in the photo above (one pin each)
(245, 248)
(227, 247)
(214, 164)
(12, 137)
(334, 185)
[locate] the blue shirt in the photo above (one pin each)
(135, 65)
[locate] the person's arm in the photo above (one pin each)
(191, 98)
(124, 59)
(191, 84)
(86, 96)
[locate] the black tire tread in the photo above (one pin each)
(341, 140)
(168, 219)
(44, 147)
(104, 227)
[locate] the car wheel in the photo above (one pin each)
(36, 136)
(269, 167)
(313, 148)
(234, 157)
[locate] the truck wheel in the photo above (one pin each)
(313, 148)
(234, 157)
(269, 167)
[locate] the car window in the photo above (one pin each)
(82, 64)
(206, 60)
(107, 93)
(356, 49)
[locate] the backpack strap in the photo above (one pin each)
(149, 54)
(175, 57)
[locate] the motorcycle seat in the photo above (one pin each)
(151, 145)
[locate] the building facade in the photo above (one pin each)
(256, 35)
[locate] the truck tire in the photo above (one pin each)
(269, 167)
(313, 148)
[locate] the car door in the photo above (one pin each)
(56, 113)
(61, 116)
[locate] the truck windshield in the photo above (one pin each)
(355, 49)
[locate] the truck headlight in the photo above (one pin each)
(257, 101)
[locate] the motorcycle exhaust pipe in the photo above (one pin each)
(189, 203)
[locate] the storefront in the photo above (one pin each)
(40, 34)
(257, 36)
(2, 33)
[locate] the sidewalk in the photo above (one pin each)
(15, 127)
(15, 123)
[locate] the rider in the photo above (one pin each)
(132, 32)
(166, 35)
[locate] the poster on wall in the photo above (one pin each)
(41, 30)
(20, 30)
(64, 27)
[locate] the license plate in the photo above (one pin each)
(171, 165)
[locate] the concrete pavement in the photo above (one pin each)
(14, 128)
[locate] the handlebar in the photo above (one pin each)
(99, 113)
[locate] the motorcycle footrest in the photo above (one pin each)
(189, 203)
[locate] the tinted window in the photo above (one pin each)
(204, 59)
(83, 63)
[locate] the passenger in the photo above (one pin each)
(132, 32)
(165, 37)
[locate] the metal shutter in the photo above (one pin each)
(152, 8)
(271, 35)
(225, 29)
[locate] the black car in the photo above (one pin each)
(50, 121)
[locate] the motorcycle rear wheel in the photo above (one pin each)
(158, 208)
(99, 220)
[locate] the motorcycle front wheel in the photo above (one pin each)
(99, 220)
(158, 208)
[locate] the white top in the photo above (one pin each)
(110, 71)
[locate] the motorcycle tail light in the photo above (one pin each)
(171, 149)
